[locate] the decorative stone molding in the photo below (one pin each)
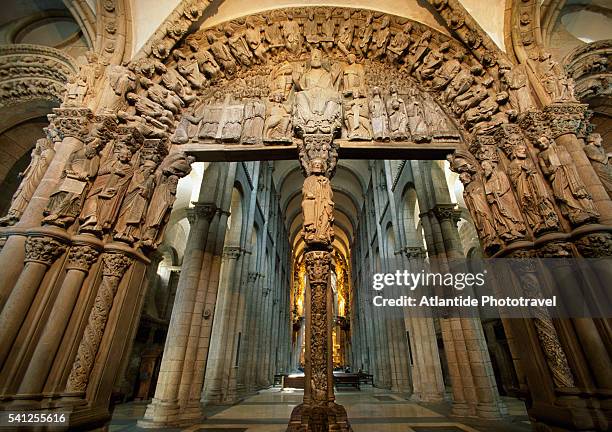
(566, 118)
(43, 250)
(82, 257)
(114, 266)
(555, 249)
(201, 210)
(113, 32)
(590, 67)
(232, 252)
(412, 252)
(30, 72)
(72, 122)
(446, 212)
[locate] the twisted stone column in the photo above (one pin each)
(40, 253)
(114, 266)
(80, 259)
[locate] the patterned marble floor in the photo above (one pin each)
(369, 410)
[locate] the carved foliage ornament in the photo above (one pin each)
(82, 257)
(43, 250)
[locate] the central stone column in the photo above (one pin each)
(318, 412)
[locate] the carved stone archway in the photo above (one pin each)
(92, 228)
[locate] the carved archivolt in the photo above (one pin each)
(33, 72)
(589, 65)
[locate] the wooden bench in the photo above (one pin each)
(294, 382)
(347, 380)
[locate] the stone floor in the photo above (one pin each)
(369, 410)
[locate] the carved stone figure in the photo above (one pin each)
(106, 194)
(189, 68)
(173, 81)
(447, 71)
(530, 189)
(81, 167)
(147, 126)
(346, 32)
(419, 49)
(207, 63)
(432, 61)
(476, 201)
(277, 126)
(149, 108)
(514, 81)
(281, 80)
(416, 119)
(353, 77)
(553, 77)
(364, 36)
(600, 161)
(76, 89)
(162, 96)
(380, 39)
(273, 34)
(460, 83)
(311, 31)
(317, 106)
(378, 113)
(223, 56)
(254, 38)
(173, 168)
(506, 216)
(41, 156)
(238, 46)
(398, 118)
(135, 203)
(119, 80)
(357, 117)
(472, 97)
(569, 191)
(291, 33)
(231, 124)
(254, 114)
(399, 43)
(317, 207)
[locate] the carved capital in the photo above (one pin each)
(556, 249)
(597, 245)
(566, 118)
(533, 123)
(43, 250)
(115, 264)
(318, 264)
(232, 252)
(446, 211)
(201, 211)
(414, 252)
(318, 154)
(72, 122)
(82, 257)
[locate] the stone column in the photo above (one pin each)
(81, 257)
(114, 266)
(40, 252)
(164, 409)
(319, 411)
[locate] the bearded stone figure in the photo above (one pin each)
(134, 207)
(163, 198)
(569, 191)
(600, 161)
(119, 82)
(277, 125)
(317, 207)
(531, 191)
(65, 203)
(506, 215)
(41, 156)
(317, 106)
(104, 199)
(476, 200)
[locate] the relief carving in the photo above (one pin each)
(277, 125)
(569, 191)
(317, 207)
(600, 161)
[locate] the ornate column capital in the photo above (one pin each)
(556, 249)
(43, 250)
(533, 123)
(413, 251)
(201, 211)
(566, 118)
(82, 257)
(72, 122)
(446, 211)
(318, 264)
(115, 264)
(596, 245)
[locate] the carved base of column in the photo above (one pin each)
(160, 414)
(319, 418)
